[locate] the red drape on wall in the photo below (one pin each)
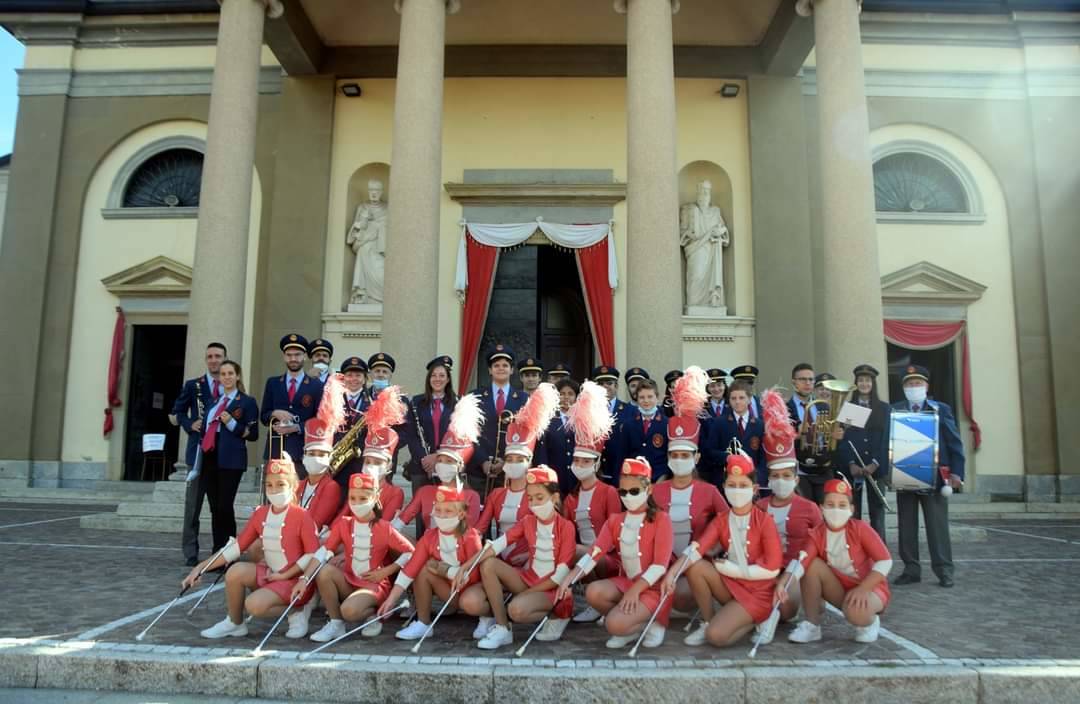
(931, 336)
(482, 260)
(593, 268)
(116, 364)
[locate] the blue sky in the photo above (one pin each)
(11, 58)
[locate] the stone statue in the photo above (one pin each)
(703, 235)
(367, 237)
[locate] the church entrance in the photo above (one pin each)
(157, 373)
(537, 308)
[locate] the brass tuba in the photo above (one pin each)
(346, 449)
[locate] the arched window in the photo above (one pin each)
(168, 179)
(920, 182)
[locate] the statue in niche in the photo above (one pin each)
(367, 237)
(703, 236)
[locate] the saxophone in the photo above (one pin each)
(346, 449)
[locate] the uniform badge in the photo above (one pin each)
(657, 440)
(911, 370)
(679, 430)
(292, 338)
(380, 356)
(439, 496)
(499, 348)
(755, 443)
(305, 401)
(516, 438)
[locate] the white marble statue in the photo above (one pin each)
(703, 235)
(367, 237)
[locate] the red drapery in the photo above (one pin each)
(593, 268)
(116, 363)
(482, 260)
(932, 336)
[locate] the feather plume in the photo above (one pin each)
(332, 407)
(589, 417)
(536, 414)
(689, 393)
(466, 419)
(778, 427)
(386, 411)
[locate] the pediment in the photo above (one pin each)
(928, 283)
(160, 276)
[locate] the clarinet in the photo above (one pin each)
(419, 429)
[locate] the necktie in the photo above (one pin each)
(742, 426)
(216, 390)
(209, 439)
(436, 418)
(500, 402)
(916, 408)
(352, 402)
(292, 389)
(645, 424)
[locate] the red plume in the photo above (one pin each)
(536, 414)
(387, 410)
(778, 427)
(466, 419)
(589, 417)
(689, 393)
(332, 407)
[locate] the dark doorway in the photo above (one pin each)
(940, 362)
(538, 309)
(157, 374)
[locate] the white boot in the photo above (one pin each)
(697, 637)
(805, 632)
(587, 616)
(497, 637)
(654, 637)
(299, 620)
(622, 641)
(868, 634)
(224, 629)
(414, 631)
(485, 624)
(334, 628)
(552, 630)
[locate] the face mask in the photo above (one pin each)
(738, 497)
(375, 470)
(915, 394)
(682, 467)
(782, 487)
(583, 472)
(544, 511)
(320, 367)
(648, 412)
(515, 470)
(633, 503)
(380, 384)
(361, 510)
(446, 472)
(447, 525)
(316, 465)
(836, 517)
(280, 499)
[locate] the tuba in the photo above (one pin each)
(816, 438)
(838, 394)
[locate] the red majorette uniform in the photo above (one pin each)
(288, 538)
(368, 544)
(423, 501)
(380, 441)
(321, 499)
(507, 507)
(450, 548)
(643, 548)
(753, 550)
(693, 507)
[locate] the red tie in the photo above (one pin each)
(645, 424)
(217, 390)
(436, 417)
(742, 426)
(292, 389)
(500, 402)
(209, 440)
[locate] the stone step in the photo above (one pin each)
(63, 495)
(152, 524)
(152, 509)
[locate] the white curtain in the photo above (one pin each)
(513, 234)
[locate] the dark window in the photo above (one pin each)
(169, 179)
(916, 183)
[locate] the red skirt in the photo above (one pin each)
(283, 588)
(754, 595)
(563, 609)
(849, 583)
(381, 590)
(650, 598)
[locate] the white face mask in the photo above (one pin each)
(320, 367)
(648, 412)
(316, 465)
(447, 525)
(682, 467)
(362, 509)
(583, 473)
(738, 497)
(515, 470)
(915, 394)
(836, 517)
(376, 470)
(544, 511)
(280, 499)
(633, 503)
(782, 488)
(446, 471)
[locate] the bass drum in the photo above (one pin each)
(913, 451)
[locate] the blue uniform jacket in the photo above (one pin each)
(950, 444)
(557, 451)
(186, 410)
(419, 409)
(648, 441)
(485, 446)
(305, 405)
(871, 443)
(718, 437)
(231, 445)
(612, 458)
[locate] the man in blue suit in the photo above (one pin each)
(291, 399)
(644, 430)
(196, 398)
(611, 459)
(500, 400)
(935, 505)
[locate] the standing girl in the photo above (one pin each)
(430, 417)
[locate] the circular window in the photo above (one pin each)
(169, 179)
(916, 183)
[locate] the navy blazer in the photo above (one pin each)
(231, 445)
(420, 409)
(556, 450)
(709, 408)
(950, 444)
(485, 446)
(648, 442)
(871, 443)
(718, 437)
(305, 405)
(612, 458)
(186, 411)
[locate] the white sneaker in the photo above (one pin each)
(868, 634)
(299, 621)
(587, 616)
(497, 637)
(805, 632)
(414, 631)
(334, 628)
(224, 629)
(483, 627)
(622, 641)
(553, 629)
(371, 630)
(765, 631)
(697, 637)
(654, 637)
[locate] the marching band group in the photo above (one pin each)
(707, 499)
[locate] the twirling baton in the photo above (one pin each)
(183, 591)
(774, 617)
(206, 593)
(292, 603)
(403, 605)
(453, 593)
(521, 650)
(678, 573)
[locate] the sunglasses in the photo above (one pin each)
(631, 492)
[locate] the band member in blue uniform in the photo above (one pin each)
(196, 396)
(428, 419)
(498, 403)
(669, 384)
(934, 502)
(716, 403)
(381, 367)
(292, 399)
(865, 451)
(633, 377)
(320, 352)
(556, 448)
(611, 460)
(644, 430)
(737, 423)
(561, 370)
(748, 374)
(530, 372)
(354, 372)
(814, 463)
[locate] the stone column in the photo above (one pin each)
(410, 289)
(850, 278)
(653, 257)
(217, 286)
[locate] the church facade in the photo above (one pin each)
(764, 182)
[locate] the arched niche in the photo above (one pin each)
(690, 176)
(357, 195)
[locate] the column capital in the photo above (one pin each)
(620, 6)
(452, 6)
(805, 8)
(274, 8)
